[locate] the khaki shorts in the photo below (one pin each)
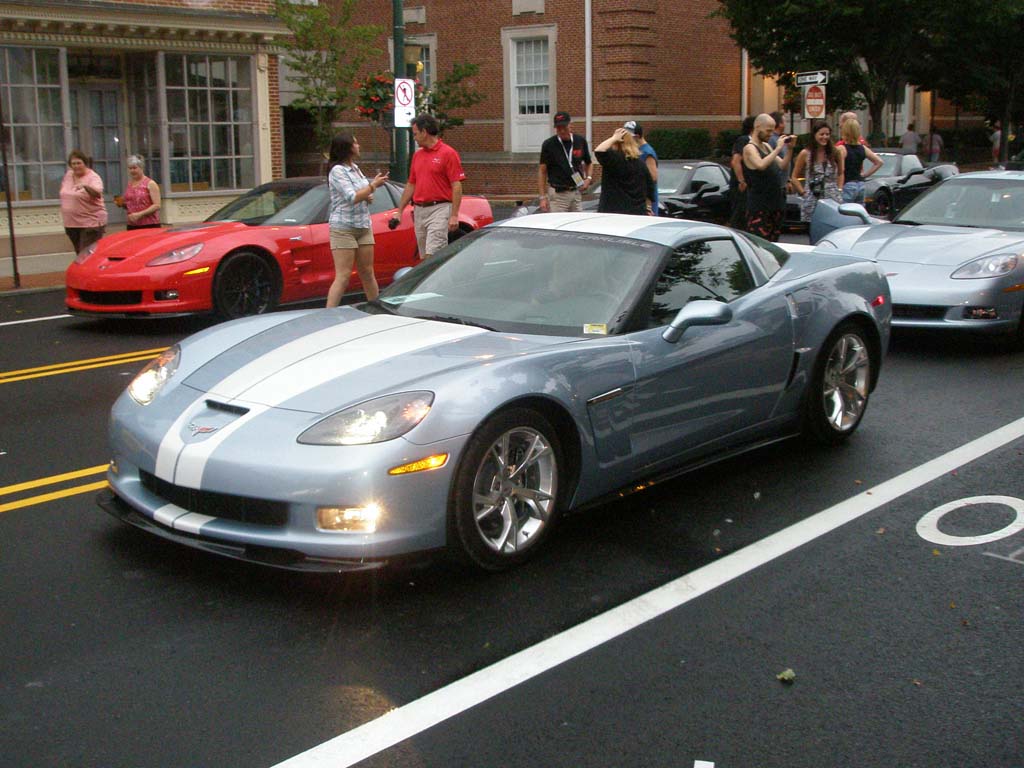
(564, 202)
(431, 224)
(350, 238)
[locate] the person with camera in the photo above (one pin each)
(818, 173)
(764, 168)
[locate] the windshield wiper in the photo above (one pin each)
(459, 320)
(380, 305)
(908, 222)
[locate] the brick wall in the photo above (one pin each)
(276, 124)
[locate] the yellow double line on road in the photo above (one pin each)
(9, 377)
(42, 482)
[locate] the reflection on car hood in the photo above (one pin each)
(930, 244)
(326, 359)
(148, 243)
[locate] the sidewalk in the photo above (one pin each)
(36, 272)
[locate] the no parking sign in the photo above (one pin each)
(405, 102)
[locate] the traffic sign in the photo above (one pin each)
(405, 102)
(814, 101)
(819, 77)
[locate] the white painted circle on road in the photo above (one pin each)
(928, 526)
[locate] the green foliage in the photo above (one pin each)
(725, 140)
(325, 52)
(374, 97)
(867, 47)
(453, 92)
(680, 143)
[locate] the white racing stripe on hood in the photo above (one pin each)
(193, 457)
(311, 345)
(171, 444)
(314, 371)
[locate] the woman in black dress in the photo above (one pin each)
(626, 185)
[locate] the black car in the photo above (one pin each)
(694, 189)
(695, 186)
(901, 178)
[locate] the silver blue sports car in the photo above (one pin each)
(533, 367)
(954, 256)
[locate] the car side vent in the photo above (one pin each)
(236, 409)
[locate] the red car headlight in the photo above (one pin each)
(178, 254)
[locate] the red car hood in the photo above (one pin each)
(145, 244)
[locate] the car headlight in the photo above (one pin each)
(84, 255)
(990, 266)
(178, 254)
(377, 420)
(152, 378)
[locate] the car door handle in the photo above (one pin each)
(297, 237)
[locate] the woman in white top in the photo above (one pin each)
(350, 226)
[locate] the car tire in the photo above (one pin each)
(883, 204)
(247, 283)
(840, 386)
(505, 496)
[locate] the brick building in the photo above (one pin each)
(191, 85)
(662, 62)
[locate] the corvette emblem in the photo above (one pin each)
(197, 429)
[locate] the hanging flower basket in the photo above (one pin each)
(374, 96)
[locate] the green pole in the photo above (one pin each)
(399, 136)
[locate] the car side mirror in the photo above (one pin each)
(400, 273)
(700, 312)
(708, 189)
(856, 210)
(914, 172)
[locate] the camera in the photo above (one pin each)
(817, 186)
(392, 223)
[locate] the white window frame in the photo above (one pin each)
(509, 37)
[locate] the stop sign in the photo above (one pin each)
(814, 101)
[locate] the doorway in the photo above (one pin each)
(97, 129)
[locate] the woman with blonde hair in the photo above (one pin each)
(854, 151)
(626, 184)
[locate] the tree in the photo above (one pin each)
(867, 47)
(991, 80)
(326, 51)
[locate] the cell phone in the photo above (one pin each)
(788, 140)
(392, 223)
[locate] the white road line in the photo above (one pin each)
(34, 320)
(417, 716)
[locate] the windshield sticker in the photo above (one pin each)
(408, 298)
(595, 329)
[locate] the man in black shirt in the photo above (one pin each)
(565, 166)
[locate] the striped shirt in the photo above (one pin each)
(345, 181)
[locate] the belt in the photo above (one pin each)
(428, 203)
(564, 189)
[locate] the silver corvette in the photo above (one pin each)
(954, 256)
(536, 366)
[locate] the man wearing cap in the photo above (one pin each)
(565, 166)
(648, 155)
(434, 187)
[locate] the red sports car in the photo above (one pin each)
(268, 247)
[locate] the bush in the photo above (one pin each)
(680, 143)
(725, 140)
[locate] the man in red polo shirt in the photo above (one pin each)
(434, 187)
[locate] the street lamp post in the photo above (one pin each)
(399, 136)
(7, 193)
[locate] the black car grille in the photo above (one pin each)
(918, 312)
(222, 505)
(111, 298)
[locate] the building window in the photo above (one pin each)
(30, 88)
(532, 77)
(415, 53)
(144, 111)
(210, 122)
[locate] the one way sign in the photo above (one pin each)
(812, 78)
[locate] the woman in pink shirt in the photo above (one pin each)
(81, 202)
(141, 197)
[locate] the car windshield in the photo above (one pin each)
(964, 202)
(671, 177)
(524, 280)
(276, 204)
(890, 165)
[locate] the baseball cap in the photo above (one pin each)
(562, 118)
(633, 127)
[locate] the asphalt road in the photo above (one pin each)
(120, 650)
